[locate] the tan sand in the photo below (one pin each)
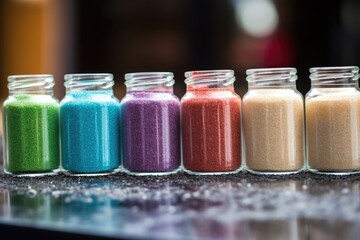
(274, 130)
(333, 131)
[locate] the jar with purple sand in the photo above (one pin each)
(90, 126)
(150, 119)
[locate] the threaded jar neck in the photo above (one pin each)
(334, 77)
(271, 78)
(209, 79)
(89, 82)
(31, 84)
(149, 81)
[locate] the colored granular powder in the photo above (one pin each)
(151, 132)
(31, 128)
(333, 131)
(90, 132)
(211, 131)
(274, 130)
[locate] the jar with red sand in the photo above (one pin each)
(210, 118)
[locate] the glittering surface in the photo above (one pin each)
(31, 127)
(90, 132)
(180, 206)
(151, 131)
(211, 130)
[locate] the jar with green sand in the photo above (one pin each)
(31, 126)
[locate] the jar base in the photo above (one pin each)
(339, 173)
(33, 174)
(256, 172)
(212, 173)
(88, 174)
(151, 173)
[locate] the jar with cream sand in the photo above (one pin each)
(333, 120)
(273, 120)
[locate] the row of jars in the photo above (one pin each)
(150, 127)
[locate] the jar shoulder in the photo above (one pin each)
(332, 93)
(30, 99)
(210, 95)
(84, 97)
(149, 97)
(273, 95)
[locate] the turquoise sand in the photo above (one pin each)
(89, 122)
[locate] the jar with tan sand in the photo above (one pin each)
(333, 120)
(273, 120)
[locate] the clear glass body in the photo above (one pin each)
(211, 123)
(90, 125)
(333, 121)
(31, 126)
(273, 122)
(150, 118)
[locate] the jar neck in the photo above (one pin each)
(31, 84)
(271, 78)
(89, 82)
(149, 82)
(210, 80)
(334, 77)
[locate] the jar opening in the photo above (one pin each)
(88, 81)
(36, 83)
(334, 76)
(271, 77)
(149, 81)
(210, 78)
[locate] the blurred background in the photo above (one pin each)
(88, 36)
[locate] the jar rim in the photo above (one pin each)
(336, 68)
(88, 76)
(31, 83)
(288, 74)
(199, 77)
(88, 81)
(209, 72)
(334, 76)
(129, 76)
(140, 79)
(291, 70)
(33, 77)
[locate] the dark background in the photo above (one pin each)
(58, 37)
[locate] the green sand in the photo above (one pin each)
(31, 128)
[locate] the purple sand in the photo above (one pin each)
(150, 131)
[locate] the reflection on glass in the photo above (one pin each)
(4, 196)
(32, 207)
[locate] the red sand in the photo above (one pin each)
(211, 130)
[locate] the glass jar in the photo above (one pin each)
(150, 124)
(31, 126)
(333, 120)
(273, 120)
(90, 127)
(210, 116)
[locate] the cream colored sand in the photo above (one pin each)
(333, 131)
(274, 130)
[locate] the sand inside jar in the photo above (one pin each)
(333, 131)
(274, 130)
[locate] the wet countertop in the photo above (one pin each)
(241, 206)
